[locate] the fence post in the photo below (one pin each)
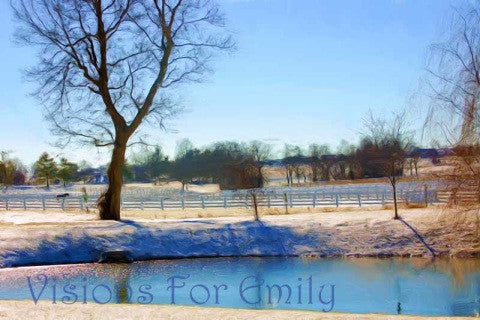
(314, 199)
(203, 202)
(141, 204)
(285, 200)
(383, 198)
(63, 204)
(336, 200)
(291, 200)
(81, 204)
(43, 204)
(6, 204)
(224, 201)
(359, 197)
(425, 195)
(268, 200)
(183, 201)
(161, 203)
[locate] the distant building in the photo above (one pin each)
(431, 153)
(99, 177)
(428, 153)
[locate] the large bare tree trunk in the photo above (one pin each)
(110, 202)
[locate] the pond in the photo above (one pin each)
(360, 285)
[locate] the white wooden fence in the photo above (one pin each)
(285, 199)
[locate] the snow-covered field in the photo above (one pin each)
(44, 238)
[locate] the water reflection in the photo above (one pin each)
(360, 285)
(122, 286)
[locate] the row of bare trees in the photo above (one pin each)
(385, 147)
(350, 161)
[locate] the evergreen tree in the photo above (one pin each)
(67, 171)
(46, 168)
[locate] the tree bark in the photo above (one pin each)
(255, 206)
(110, 202)
(259, 177)
(394, 187)
(395, 200)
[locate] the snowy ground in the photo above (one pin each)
(32, 238)
(45, 310)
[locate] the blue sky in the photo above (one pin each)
(305, 71)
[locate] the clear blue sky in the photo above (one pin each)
(305, 71)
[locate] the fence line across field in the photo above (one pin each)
(244, 200)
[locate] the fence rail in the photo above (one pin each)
(286, 199)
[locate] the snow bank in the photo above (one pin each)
(189, 239)
(372, 233)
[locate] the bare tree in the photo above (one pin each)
(346, 154)
(107, 66)
(385, 145)
(315, 161)
(12, 171)
(454, 84)
(412, 161)
(289, 159)
(294, 163)
(454, 79)
(260, 152)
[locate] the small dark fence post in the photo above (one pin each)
(425, 188)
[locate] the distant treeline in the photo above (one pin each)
(235, 165)
(232, 165)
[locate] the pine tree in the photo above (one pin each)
(46, 168)
(67, 171)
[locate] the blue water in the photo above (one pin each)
(361, 285)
